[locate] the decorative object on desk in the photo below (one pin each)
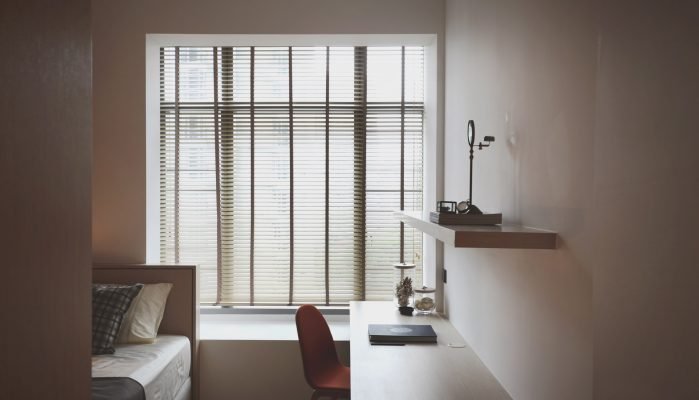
(469, 207)
(404, 286)
(404, 292)
(446, 207)
(424, 300)
(465, 219)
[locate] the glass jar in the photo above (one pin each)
(403, 289)
(425, 300)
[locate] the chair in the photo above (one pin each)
(321, 367)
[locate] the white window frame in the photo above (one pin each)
(431, 173)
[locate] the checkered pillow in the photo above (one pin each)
(109, 304)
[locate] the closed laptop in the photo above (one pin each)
(402, 333)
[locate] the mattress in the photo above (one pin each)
(160, 367)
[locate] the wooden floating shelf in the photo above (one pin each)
(482, 236)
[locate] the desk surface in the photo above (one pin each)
(415, 371)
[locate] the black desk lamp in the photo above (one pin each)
(469, 207)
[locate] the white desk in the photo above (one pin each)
(415, 371)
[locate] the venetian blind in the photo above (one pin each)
(280, 168)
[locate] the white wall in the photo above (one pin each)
(575, 93)
(525, 74)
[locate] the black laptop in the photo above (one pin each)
(379, 333)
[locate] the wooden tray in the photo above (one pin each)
(465, 219)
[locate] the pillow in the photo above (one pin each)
(143, 318)
(109, 304)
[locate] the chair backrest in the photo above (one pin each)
(317, 345)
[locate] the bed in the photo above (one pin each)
(165, 369)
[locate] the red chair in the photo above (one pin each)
(321, 367)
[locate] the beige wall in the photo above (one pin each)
(119, 29)
(45, 149)
(575, 93)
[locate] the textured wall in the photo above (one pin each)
(646, 253)
(45, 149)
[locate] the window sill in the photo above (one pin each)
(270, 310)
(273, 327)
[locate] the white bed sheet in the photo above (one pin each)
(161, 367)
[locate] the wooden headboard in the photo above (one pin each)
(182, 310)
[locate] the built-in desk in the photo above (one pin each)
(415, 371)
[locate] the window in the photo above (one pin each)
(280, 168)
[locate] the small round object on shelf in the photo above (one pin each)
(462, 207)
(424, 301)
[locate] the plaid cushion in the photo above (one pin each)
(109, 304)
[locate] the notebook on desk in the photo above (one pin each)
(380, 333)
